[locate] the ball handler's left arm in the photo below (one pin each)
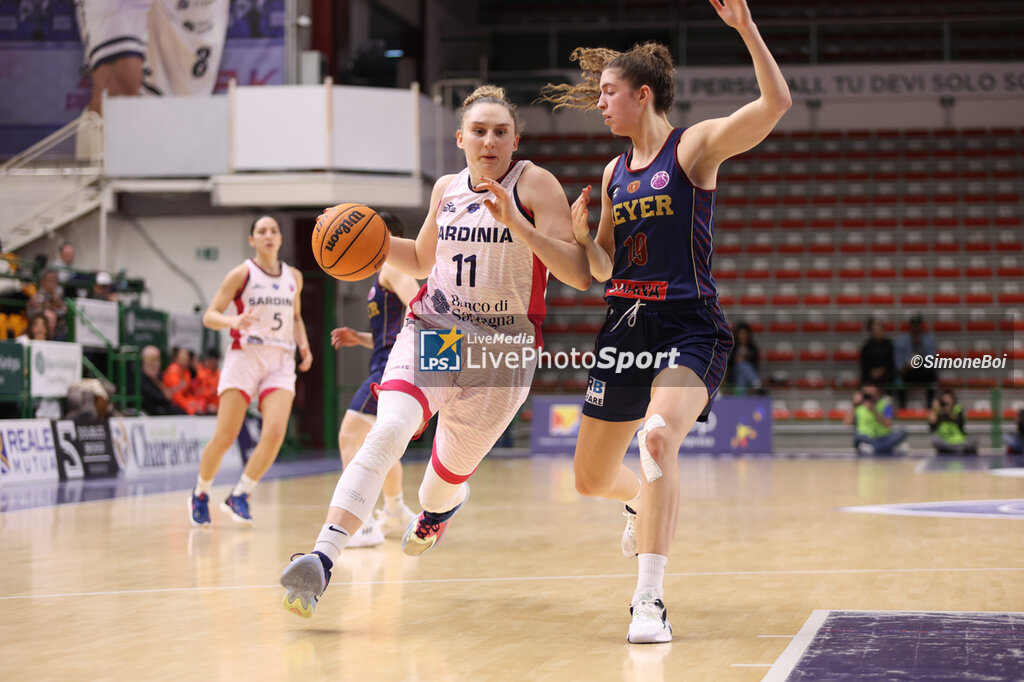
(301, 340)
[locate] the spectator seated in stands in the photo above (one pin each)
(872, 419)
(50, 297)
(156, 398)
(743, 361)
(102, 287)
(1015, 442)
(90, 399)
(204, 387)
(877, 356)
(946, 421)
(38, 329)
(915, 342)
(178, 378)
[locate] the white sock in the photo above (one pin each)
(651, 577)
(203, 486)
(331, 541)
(634, 504)
(394, 505)
(245, 485)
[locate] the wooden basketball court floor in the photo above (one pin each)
(529, 584)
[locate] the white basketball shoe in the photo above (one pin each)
(650, 621)
(394, 525)
(369, 535)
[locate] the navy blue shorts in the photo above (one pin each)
(364, 400)
(691, 334)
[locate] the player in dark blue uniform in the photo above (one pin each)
(654, 248)
(386, 305)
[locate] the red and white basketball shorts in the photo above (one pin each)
(474, 406)
(256, 371)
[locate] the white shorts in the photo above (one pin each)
(180, 41)
(474, 406)
(255, 372)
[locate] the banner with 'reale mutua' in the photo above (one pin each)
(27, 451)
(153, 445)
(734, 426)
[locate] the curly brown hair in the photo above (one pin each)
(647, 64)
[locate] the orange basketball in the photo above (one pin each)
(350, 241)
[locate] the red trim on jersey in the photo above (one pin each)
(409, 389)
(236, 336)
(537, 310)
(419, 295)
(442, 471)
(629, 155)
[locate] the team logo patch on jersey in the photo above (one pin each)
(659, 180)
(595, 392)
(633, 186)
(440, 302)
(473, 208)
(440, 351)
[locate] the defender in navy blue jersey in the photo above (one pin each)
(654, 248)
(386, 307)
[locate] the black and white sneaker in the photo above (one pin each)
(650, 621)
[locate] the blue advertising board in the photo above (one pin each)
(735, 426)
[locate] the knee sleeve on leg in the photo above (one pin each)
(398, 417)
(437, 495)
(651, 469)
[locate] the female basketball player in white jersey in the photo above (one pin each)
(260, 365)
(486, 267)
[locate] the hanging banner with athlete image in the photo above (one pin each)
(41, 58)
(84, 449)
(734, 426)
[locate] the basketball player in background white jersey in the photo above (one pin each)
(158, 47)
(493, 232)
(266, 326)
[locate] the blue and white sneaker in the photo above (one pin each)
(200, 508)
(428, 529)
(305, 578)
(238, 507)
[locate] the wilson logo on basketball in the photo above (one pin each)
(345, 226)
